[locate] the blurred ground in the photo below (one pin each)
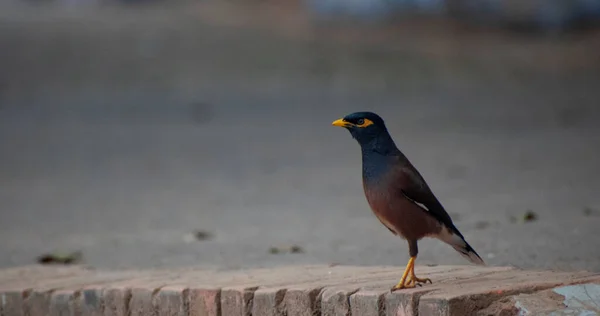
(121, 131)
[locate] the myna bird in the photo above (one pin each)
(399, 196)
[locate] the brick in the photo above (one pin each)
(303, 301)
(36, 303)
(269, 302)
(336, 300)
(116, 298)
(315, 290)
(237, 301)
(404, 302)
(434, 307)
(367, 302)
(116, 301)
(133, 296)
(171, 301)
(539, 303)
(456, 306)
(11, 303)
(478, 291)
(140, 303)
(62, 303)
(204, 302)
(579, 299)
(90, 302)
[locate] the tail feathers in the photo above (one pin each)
(461, 245)
(469, 253)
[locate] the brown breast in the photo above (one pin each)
(400, 215)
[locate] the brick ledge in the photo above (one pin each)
(289, 290)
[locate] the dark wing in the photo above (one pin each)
(414, 187)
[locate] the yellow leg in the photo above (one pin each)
(413, 278)
(409, 279)
(402, 283)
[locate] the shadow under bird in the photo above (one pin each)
(399, 196)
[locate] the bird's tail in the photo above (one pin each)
(459, 244)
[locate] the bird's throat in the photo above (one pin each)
(375, 166)
(378, 157)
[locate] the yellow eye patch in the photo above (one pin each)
(365, 123)
(362, 123)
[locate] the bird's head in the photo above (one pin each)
(365, 127)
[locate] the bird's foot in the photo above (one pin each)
(411, 283)
(419, 281)
(406, 285)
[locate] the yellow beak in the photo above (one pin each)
(341, 123)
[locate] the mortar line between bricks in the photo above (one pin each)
(312, 294)
(48, 294)
(381, 302)
(250, 292)
(318, 301)
(155, 292)
(279, 307)
(416, 300)
(198, 294)
(381, 305)
(127, 301)
(102, 301)
(218, 299)
(24, 295)
(73, 302)
(185, 297)
(280, 302)
(349, 313)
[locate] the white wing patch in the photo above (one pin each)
(415, 202)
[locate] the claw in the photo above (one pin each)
(403, 286)
(409, 280)
(419, 280)
(413, 278)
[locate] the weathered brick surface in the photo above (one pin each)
(477, 293)
(368, 302)
(11, 303)
(335, 300)
(204, 302)
(140, 303)
(62, 302)
(237, 301)
(90, 302)
(292, 291)
(171, 301)
(36, 303)
(403, 302)
(303, 300)
(116, 301)
(269, 302)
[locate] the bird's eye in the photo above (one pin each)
(360, 122)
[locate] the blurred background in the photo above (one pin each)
(157, 133)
